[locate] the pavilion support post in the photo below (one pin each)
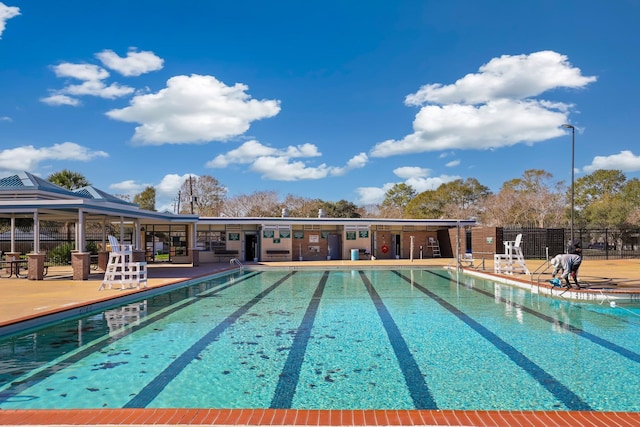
(13, 233)
(35, 266)
(81, 263)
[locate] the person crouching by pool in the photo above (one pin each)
(569, 265)
(575, 248)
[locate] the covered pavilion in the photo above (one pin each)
(24, 196)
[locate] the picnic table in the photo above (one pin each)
(13, 266)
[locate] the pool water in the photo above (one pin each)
(338, 339)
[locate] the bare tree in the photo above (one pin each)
(202, 195)
(301, 207)
(257, 204)
(531, 201)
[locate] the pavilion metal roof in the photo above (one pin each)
(22, 194)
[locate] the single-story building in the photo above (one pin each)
(182, 238)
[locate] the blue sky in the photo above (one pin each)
(333, 99)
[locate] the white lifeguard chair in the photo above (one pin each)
(121, 269)
(512, 260)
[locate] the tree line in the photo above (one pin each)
(602, 199)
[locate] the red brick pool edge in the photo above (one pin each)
(293, 417)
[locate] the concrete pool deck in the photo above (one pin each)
(26, 300)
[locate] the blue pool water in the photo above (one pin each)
(352, 339)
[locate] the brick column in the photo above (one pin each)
(81, 263)
(103, 259)
(36, 266)
(138, 255)
(195, 257)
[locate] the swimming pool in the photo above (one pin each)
(338, 339)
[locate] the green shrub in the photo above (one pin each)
(92, 247)
(61, 254)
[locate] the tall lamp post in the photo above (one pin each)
(573, 148)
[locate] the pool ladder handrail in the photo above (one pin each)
(237, 262)
(540, 270)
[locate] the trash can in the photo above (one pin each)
(354, 254)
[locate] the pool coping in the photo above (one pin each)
(26, 323)
(293, 417)
(582, 294)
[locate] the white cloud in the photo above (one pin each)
(135, 63)
(88, 72)
(129, 187)
(421, 184)
(98, 88)
(406, 172)
(277, 164)
(356, 162)
(511, 77)
(5, 119)
(6, 13)
(29, 158)
(249, 151)
(625, 161)
(496, 124)
(417, 177)
(490, 109)
(283, 169)
(452, 163)
(370, 195)
(166, 191)
(194, 109)
(171, 183)
(60, 99)
(92, 77)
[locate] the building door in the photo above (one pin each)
(250, 246)
(334, 246)
(396, 246)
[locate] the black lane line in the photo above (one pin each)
(624, 352)
(19, 386)
(155, 386)
(418, 389)
(564, 394)
(286, 388)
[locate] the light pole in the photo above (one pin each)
(573, 149)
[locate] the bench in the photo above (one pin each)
(278, 254)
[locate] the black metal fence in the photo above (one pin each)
(604, 243)
(57, 241)
(537, 243)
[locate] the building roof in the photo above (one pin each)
(27, 182)
(22, 194)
